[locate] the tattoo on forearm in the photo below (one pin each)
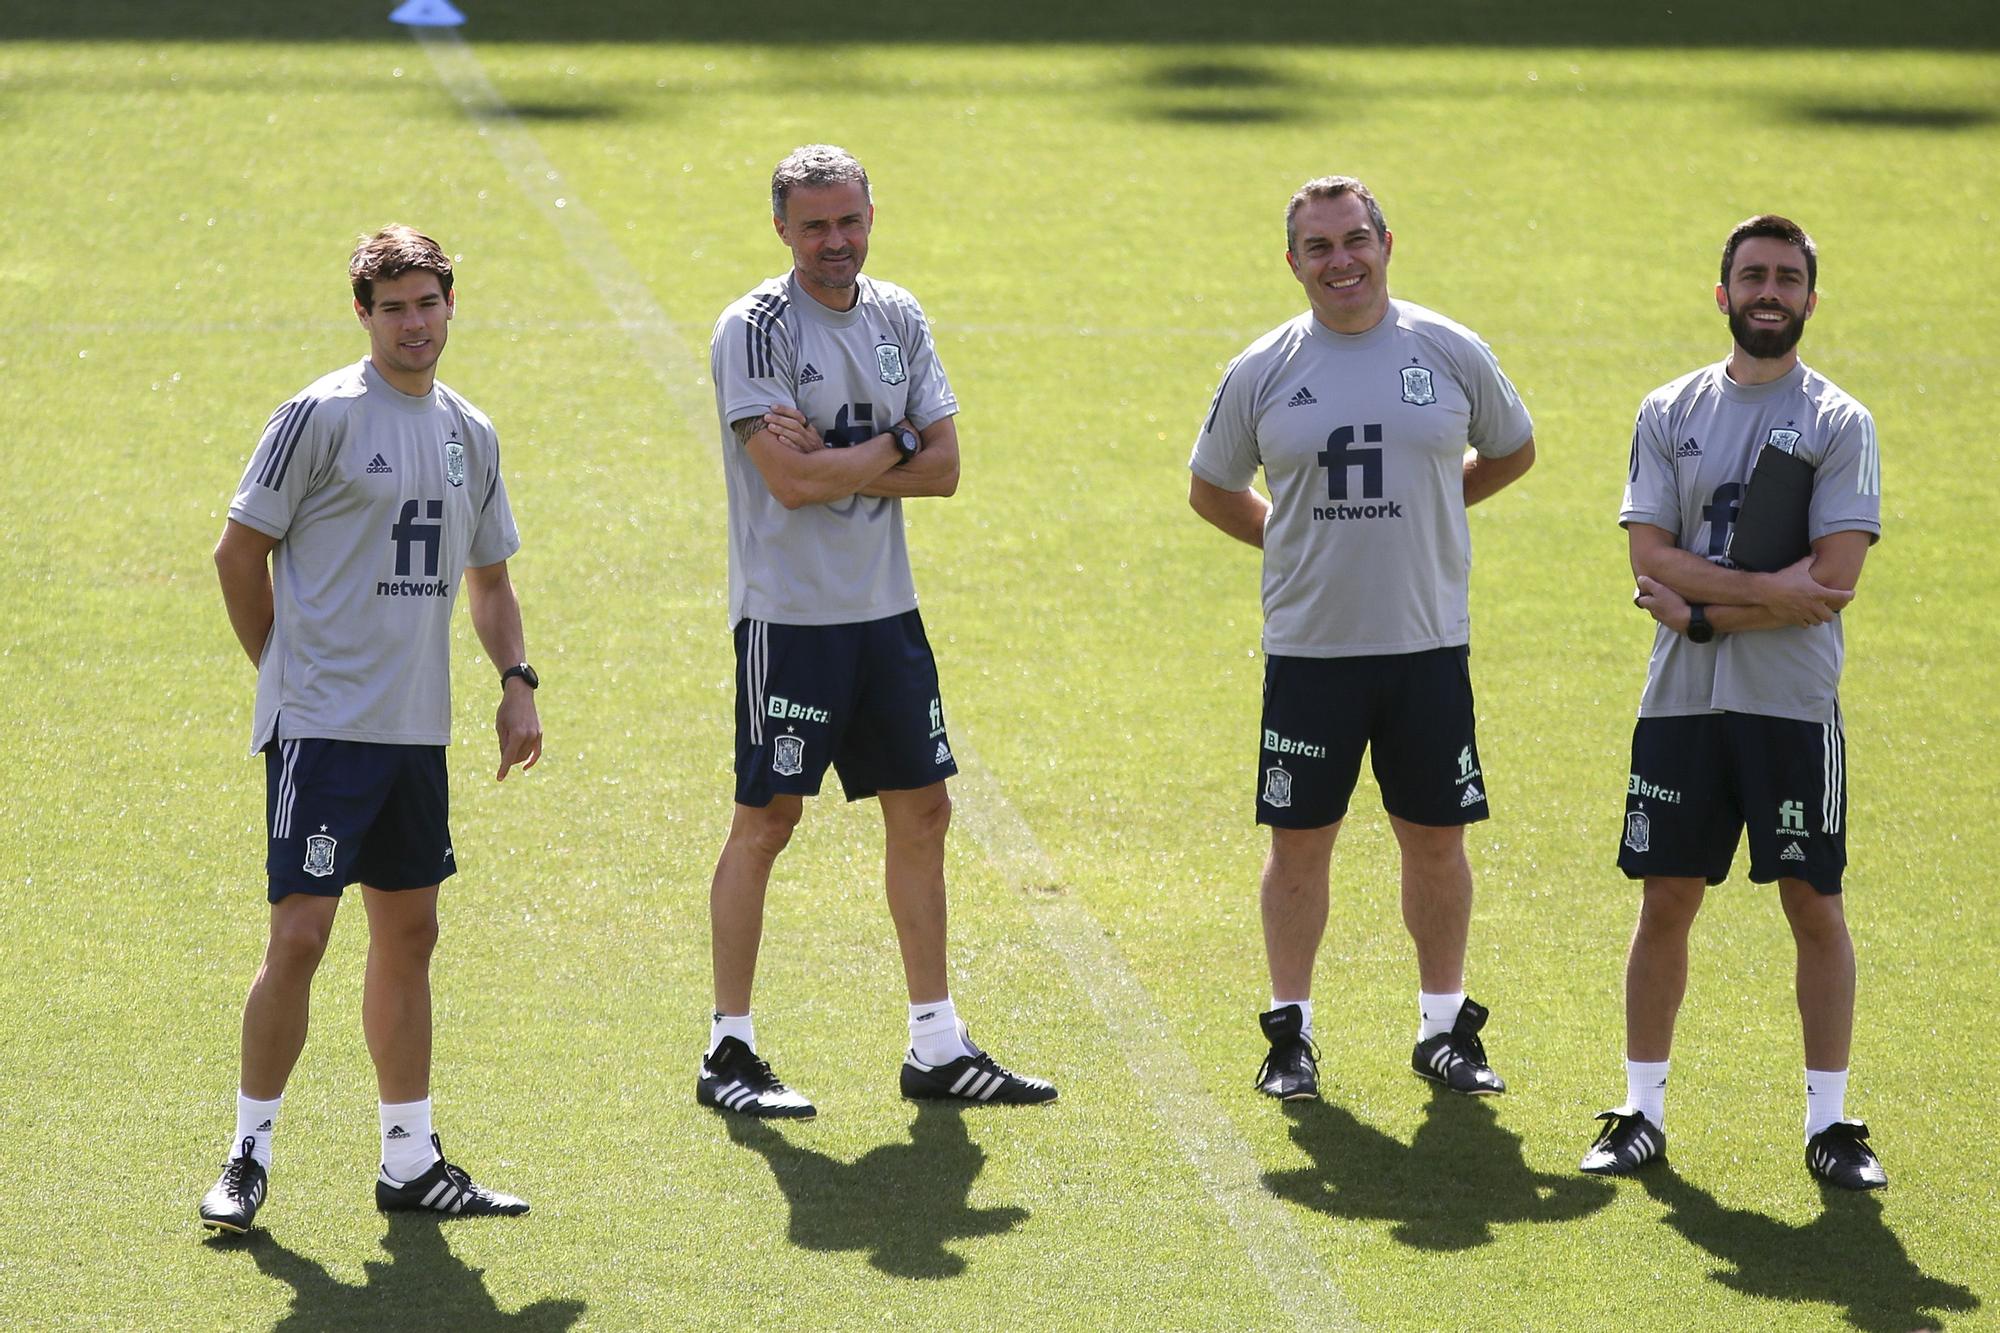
(745, 427)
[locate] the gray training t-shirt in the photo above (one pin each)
(853, 374)
(1693, 447)
(378, 501)
(1362, 439)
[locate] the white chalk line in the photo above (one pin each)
(1225, 1164)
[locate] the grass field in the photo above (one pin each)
(1089, 205)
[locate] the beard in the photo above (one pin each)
(1766, 342)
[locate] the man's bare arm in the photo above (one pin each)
(934, 470)
(1242, 514)
(1791, 596)
(243, 564)
(1485, 476)
(1835, 565)
(496, 617)
(800, 469)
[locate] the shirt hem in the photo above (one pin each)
(1365, 650)
(858, 617)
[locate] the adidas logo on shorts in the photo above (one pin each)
(1303, 398)
(1473, 796)
(1791, 853)
(943, 754)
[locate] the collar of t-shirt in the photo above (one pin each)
(1759, 393)
(813, 310)
(392, 395)
(1354, 341)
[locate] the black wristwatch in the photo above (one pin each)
(1699, 630)
(525, 672)
(908, 443)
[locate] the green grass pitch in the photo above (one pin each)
(1088, 202)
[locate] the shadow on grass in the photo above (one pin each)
(422, 1284)
(561, 112)
(1855, 116)
(1845, 1257)
(1237, 114)
(901, 1203)
(1460, 1175)
(1208, 75)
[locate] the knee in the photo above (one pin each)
(931, 820)
(1817, 919)
(765, 831)
(1670, 908)
(297, 943)
(413, 941)
(1431, 852)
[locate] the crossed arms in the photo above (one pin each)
(1809, 592)
(802, 469)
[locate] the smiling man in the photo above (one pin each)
(369, 495)
(1740, 723)
(1376, 422)
(834, 410)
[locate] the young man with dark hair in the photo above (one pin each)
(1740, 723)
(370, 493)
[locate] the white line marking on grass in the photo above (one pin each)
(1227, 1167)
(624, 292)
(1158, 1063)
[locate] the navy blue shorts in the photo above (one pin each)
(862, 697)
(341, 812)
(1412, 713)
(1697, 782)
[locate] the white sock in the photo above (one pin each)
(1436, 1013)
(406, 1139)
(1826, 1098)
(936, 1035)
(738, 1026)
(1305, 1013)
(255, 1121)
(1646, 1088)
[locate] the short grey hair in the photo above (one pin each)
(1331, 187)
(815, 164)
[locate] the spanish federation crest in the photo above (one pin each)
(1417, 388)
(1277, 788)
(889, 359)
(1788, 440)
(1638, 831)
(319, 855)
(788, 755)
(454, 463)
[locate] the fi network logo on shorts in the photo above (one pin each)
(937, 718)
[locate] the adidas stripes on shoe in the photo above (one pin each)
(444, 1189)
(733, 1078)
(231, 1204)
